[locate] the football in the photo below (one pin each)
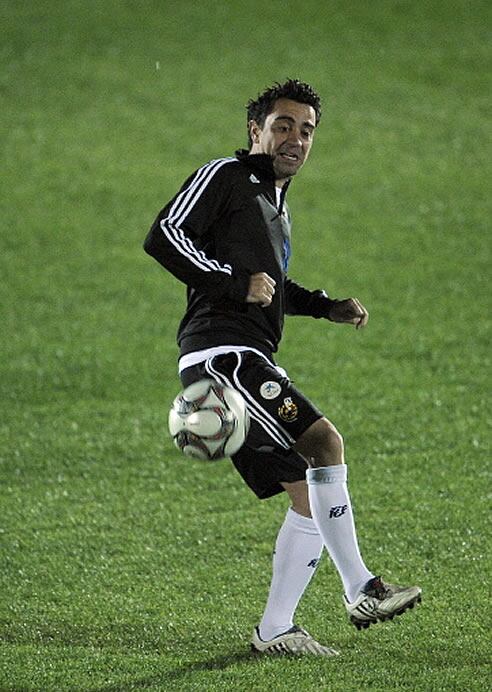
(209, 420)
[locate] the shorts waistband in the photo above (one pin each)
(196, 357)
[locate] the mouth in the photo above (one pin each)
(293, 158)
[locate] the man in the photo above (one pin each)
(226, 235)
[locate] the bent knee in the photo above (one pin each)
(328, 435)
(321, 444)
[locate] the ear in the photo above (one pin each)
(254, 131)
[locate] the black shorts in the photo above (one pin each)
(279, 415)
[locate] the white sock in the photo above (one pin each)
(332, 513)
(297, 552)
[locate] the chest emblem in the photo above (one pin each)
(253, 178)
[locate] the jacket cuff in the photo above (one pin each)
(238, 287)
(322, 305)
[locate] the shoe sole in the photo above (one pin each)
(363, 625)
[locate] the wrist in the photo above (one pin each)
(332, 304)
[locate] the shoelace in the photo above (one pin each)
(376, 589)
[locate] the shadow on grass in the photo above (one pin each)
(118, 639)
(180, 674)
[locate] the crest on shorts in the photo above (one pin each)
(288, 411)
(270, 390)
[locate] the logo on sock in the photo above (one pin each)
(337, 511)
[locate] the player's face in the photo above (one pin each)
(287, 136)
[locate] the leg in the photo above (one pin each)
(299, 543)
(322, 446)
(299, 498)
(297, 552)
(367, 598)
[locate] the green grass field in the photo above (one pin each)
(125, 566)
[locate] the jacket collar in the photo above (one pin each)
(262, 163)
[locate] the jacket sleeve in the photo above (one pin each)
(176, 235)
(300, 301)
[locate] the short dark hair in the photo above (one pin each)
(291, 89)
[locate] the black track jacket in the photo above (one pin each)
(221, 227)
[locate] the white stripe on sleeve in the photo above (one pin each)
(181, 208)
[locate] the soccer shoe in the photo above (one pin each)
(294, 642)
(380, 601)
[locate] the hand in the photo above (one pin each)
(349, 311)
(261, 289)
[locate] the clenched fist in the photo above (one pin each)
(349, 311)
(261, 289)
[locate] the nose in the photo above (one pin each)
(295, 137)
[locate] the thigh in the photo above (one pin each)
(279, 412)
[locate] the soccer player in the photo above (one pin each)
(227, 235)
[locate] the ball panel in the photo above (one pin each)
(204, 423)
